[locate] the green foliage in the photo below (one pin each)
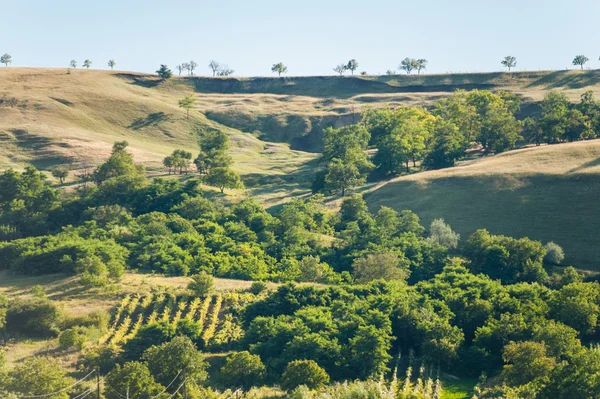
(33, 317)
(441, 233)
(72, 338)
(61, 173)
(87, 63)
(526, 362)
(111, 64)
(580, 60)
(347, 164)
(164, 72)
(3, 311)
(38, 376)
(26, 202)
(577, 305)
(149, 335)
(506, 258)
(167, 360)
(279, 68)
(179, 159)
(509, 62)
(202, 284)
(120, 163)
(385, 266)
(243, 370)
(447, 146)
(352, 65)
(258, 287)
(303, 372)
(222, 178)
(132, 379)
(6, 59)
(187, 103)
(554, 254)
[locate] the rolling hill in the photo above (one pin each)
(49, 117)
(547, 193)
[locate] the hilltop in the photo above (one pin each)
(49, 117)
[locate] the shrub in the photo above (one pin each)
(242, 369)
(258, 287)
(201, 284)
(303, 372)
(33, 317)
(102, 358)
(554, 254)
(73, 337)
(38, 376)
(441, 233)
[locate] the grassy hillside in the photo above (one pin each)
(548, 193)
(49, 117)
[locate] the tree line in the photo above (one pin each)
(410, 137)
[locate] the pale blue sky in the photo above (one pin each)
(310, 36)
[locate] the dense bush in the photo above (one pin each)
(33, 317)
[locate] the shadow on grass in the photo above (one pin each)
(559, 208)
(567, 79)
(587, 165)
(152, 119)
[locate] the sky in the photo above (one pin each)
(309, 36)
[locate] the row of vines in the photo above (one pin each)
(135, 311)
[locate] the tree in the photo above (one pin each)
(303, 372)
(526, 362)
(180, 68)
(120, 163)
(554, 118)
(61, 173)
(223, 177)
(72, 338)
(39, 376)
(340, 69)
(73, 64)
(448, 145)
(193, 65)
(441, 233)
(215, 66)
(111, 64)
(554, 254)
(369, 349)
(33, 317)
(225, 71)
(164, 72)
(419, 64)
(384, 265)
(6, 59)
(407, 65)
(187, 103)
(279, 68)
(341, 176)
(580, 60)
(509, 62)
(202, 284)
(180, 356)
(213, 151)
(352, 65)
(243, 370)
(87, 64)
(132, 380)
